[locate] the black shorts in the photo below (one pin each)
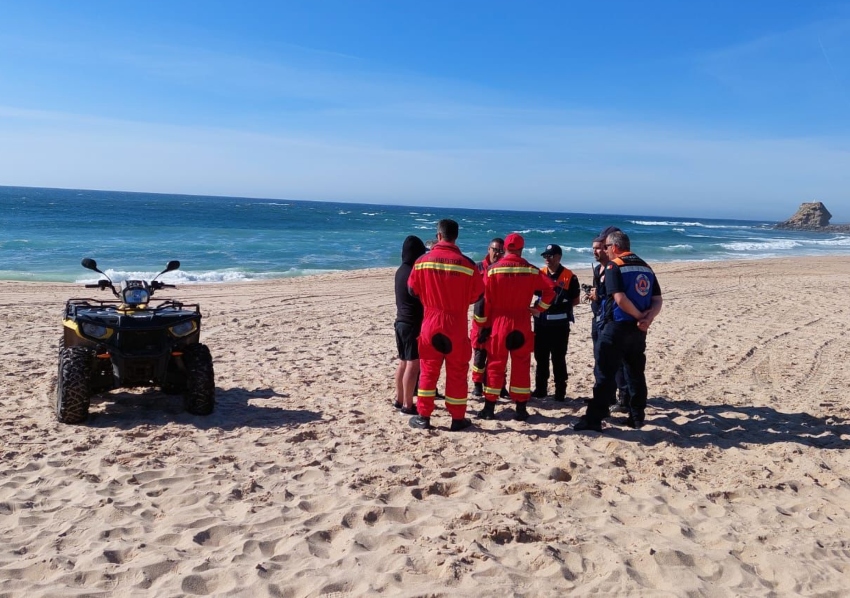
(407, 340)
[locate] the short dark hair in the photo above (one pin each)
(498, 240)
(620, 240)
(449, 229)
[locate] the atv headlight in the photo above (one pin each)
(134, 296)
(184, 328)
(96, 330)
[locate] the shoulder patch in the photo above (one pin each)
(643, 285)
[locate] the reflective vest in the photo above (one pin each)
(638, 281)
(562, 306)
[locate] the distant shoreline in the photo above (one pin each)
(832, 228)
(671, 265)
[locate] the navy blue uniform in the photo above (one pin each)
(619, 339)
(598, 313)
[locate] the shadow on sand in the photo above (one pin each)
(689, 424)
(235, 408)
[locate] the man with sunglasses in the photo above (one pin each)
(633, 300)
(495, 252)
(509, 287)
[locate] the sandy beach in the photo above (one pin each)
(306, 482)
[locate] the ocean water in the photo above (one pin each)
(44, 233)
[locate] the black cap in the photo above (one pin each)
(552, 250)
(603, 236)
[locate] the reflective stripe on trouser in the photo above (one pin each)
(479, 365)
(505, 331)
(457, 368)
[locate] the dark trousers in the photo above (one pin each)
(551, 342)
(479, 365)
(620, 376)
(619, 343)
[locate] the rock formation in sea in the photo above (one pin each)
(813, 216)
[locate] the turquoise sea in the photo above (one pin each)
(44, 233)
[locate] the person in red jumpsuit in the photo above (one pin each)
(479, 353)
(447, 283)
(509, 289)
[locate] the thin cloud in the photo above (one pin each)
(789, 61)
(579, 168)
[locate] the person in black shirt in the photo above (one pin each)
(596, 297)
(552, 327)
(408, 322)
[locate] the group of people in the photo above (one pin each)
(434, 289)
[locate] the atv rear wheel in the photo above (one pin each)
(73, 387)
(199, 398)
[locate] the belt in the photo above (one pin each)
(599, 320)
(553, 317)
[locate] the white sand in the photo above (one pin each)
(306, 482)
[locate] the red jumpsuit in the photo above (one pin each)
(447, 282)
(509, 288)
(479, 359)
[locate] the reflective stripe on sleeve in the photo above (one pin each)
(627, 269)
(445, 267)
(512, 270)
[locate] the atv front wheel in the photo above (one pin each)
(199, 398)
(73, 388)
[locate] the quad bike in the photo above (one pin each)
(127, 342)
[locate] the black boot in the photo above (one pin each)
(488, 411)
(622, 403)
(478, 390)
(635, 419)
(561, 392)
(459, 424)
(423, 423)
(504, 394)
(584, 424)
(521, 412)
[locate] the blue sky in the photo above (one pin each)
(714, 109)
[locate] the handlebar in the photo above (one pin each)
(101, 284)
(105, 284)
